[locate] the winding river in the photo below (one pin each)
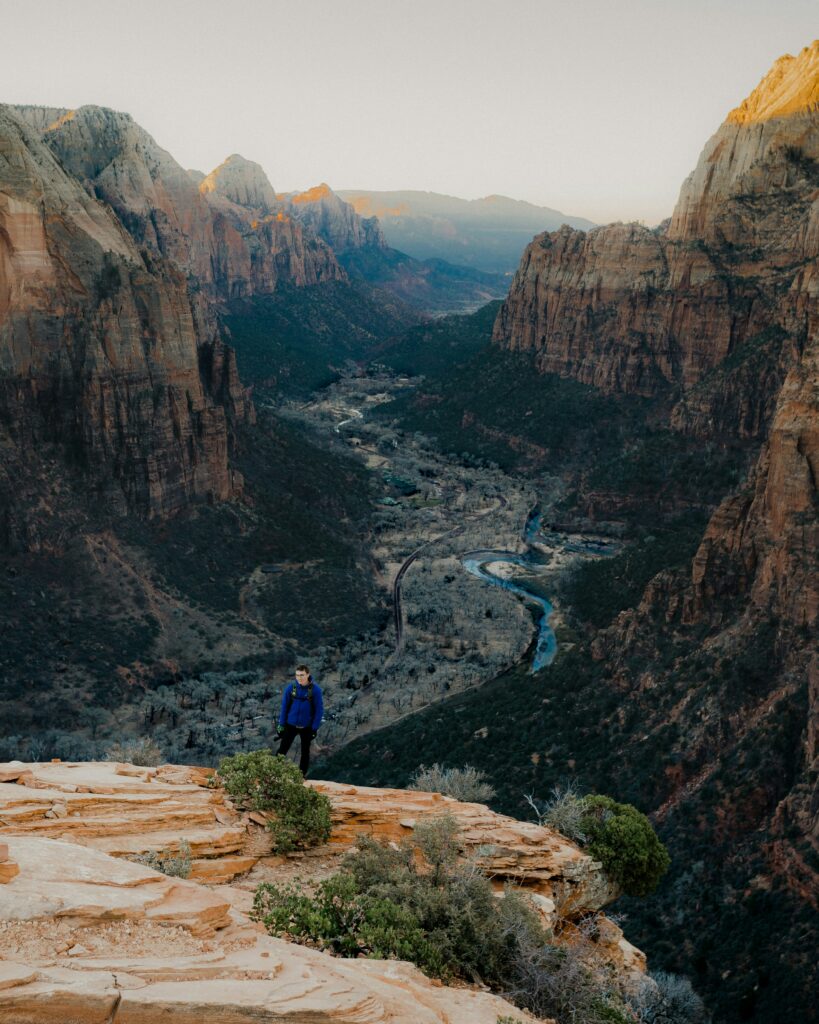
(476, 562)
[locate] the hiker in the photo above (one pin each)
(302, 708)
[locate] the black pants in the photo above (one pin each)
(289, 734)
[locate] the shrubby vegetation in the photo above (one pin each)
(177, 864)
(624, 842)
(138, 751)
(442, 914)
(667, 999)
(598, 590)
(466, 784)
(260, 781)
(564, 811)
(294, 341)
(617, 835)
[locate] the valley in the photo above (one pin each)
(561, 527)
(448, 632)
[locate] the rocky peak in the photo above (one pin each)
(790, 87)
(763, 147)
(243, 182)
(335, 220)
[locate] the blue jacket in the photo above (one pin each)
(300, 707)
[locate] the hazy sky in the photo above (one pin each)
(596, 107)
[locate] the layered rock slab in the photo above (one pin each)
(115, 809)
(111, 941)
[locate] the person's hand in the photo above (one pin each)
(315, 733)
(280, 730)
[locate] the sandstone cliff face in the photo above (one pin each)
(258, 243)
(227, 247)
(631, 310)
(102, 352)
(243, 182)
(89, 935)
(610, 307)
(336, 221)
(737, 161)
(764, 542)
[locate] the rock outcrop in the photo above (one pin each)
(243, 182)
(122, 810)
(645, 312)
(87, 934)
(334, 220)
(103, 352)
(226, 232)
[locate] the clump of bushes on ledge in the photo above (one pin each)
(142, 752)
(618, 835)
(421, 901)
(261, 781)
(178, 865)
(466, 784)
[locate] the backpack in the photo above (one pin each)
(291, 696)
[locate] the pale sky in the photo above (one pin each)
(598, 108)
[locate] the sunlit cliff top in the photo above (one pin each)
(790, 87)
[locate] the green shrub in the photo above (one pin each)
(434, 910)
(625, 843)
(439, 912)
(617, 835)
(260, 781)
(169, 863)
(341, 919)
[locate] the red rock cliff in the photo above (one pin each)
(638, 311)
(102, 351)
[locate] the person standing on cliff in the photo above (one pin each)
(300, 715)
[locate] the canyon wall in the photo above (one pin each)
(102, 350)
(679, 310)
(715, 315)
(226, 232)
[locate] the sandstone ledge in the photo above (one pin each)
(86, 934)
